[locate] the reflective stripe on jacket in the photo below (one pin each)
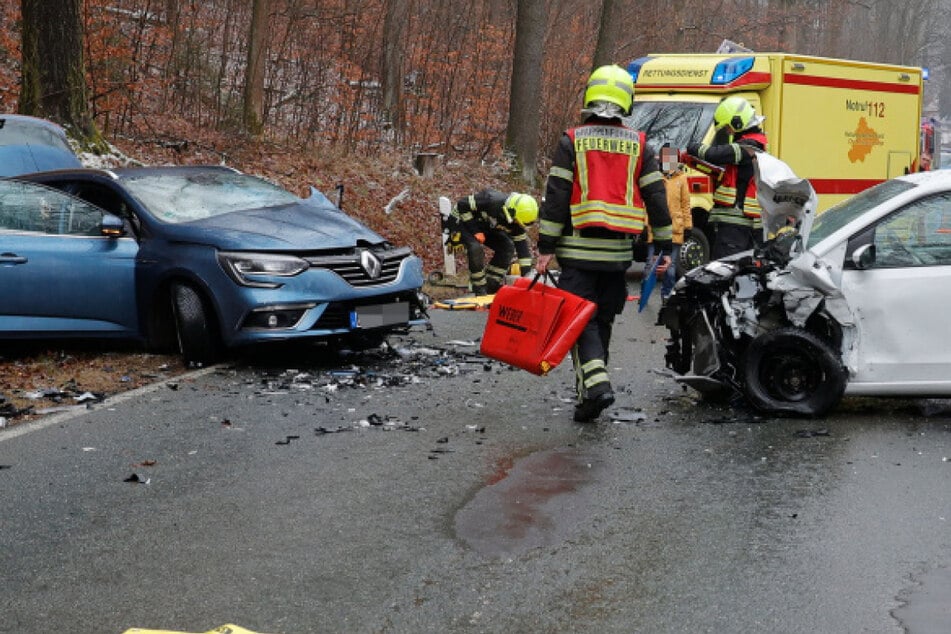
(606, 192)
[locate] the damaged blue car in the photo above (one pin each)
(199, 258)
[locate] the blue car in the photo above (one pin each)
(198, 258)
(28, 144)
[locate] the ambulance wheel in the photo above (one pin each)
(435, 277)
(792, 371)
(694, 252)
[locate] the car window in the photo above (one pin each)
(31, 207)
(186, 196)
(676, 123)
(917, 235)
(837, 216)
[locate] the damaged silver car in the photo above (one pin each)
(853, 301)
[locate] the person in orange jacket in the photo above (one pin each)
(678, 203)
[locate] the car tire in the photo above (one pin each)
(792, 371)
(193, 327)
(694, 252)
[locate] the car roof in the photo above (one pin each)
(29, 144)
(937, 178)
(119, 173)
(32, 121)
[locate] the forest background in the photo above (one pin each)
(351, 91)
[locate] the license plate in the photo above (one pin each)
(376, 315)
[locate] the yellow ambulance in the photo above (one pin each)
(844, 125)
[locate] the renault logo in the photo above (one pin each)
(371, 264)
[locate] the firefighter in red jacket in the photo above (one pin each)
(603, 189)
(735, 222)
(498, 221)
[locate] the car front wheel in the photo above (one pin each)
(790, 370)
(193, 326)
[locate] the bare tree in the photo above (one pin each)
(52, 30)
(521, 136)
(253, 102)
(610, 28)
(394, 26)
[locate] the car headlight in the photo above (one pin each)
(243, 267)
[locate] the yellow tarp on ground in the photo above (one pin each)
(480, 302)
(223, 629)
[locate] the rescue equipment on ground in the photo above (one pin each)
(532, 326)
(479, 302)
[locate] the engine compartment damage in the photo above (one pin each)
(770, 324)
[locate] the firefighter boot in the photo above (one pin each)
(590, 408)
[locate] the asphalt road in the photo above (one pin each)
(427, 490)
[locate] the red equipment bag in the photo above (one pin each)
(532, 326)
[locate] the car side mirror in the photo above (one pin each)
(112, 226)
(864, 257)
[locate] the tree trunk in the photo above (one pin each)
(608, 29)
(525, 96)
(253, 111)
(53, 68)
(394, 23)
(173, 16)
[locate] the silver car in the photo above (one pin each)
(851, 301)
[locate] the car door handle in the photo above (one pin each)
(12, 258)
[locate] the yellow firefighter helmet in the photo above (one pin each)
(612, 84)
(522, 207)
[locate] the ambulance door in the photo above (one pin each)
(899, 164)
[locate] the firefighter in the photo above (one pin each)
(603, 186)
(735, 222)
(498, 221)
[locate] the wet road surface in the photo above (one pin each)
(427, 490)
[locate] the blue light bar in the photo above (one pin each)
(634, 68)
(730, 70)
(925, 74)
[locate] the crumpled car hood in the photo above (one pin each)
(306, 226)
(788, 201)
(789, 204)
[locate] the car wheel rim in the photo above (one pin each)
(691, 255)
(790, 375)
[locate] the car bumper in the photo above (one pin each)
(320, 304)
